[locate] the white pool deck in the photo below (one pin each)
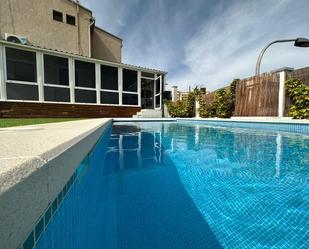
(37, 160)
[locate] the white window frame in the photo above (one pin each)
(138, 90)
(2, 73)
(19, 82)
(56, 85)
(159, 93)
(85, 88)
(40, 52)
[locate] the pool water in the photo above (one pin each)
(187, 185)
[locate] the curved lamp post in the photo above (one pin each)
(298, 42)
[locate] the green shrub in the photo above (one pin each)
(206, 110)
(299, 95)
(223, 105)
(183, 108)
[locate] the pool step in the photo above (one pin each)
(148, 113)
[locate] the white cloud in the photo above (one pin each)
(228, 44)
(205, 42)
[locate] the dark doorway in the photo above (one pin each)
(147, 93)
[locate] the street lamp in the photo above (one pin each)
(298, 42)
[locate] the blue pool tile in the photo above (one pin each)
(188, 186)
(39, 228)
(29, 242)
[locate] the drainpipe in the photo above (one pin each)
(92, 21)
(78, 28)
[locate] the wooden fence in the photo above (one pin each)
(257, 96)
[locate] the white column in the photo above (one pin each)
(2, 73)
(139, 87)
(40, 74)
(197, 107)
(98, 82)
(174, 93)
(72, 79)
(120, 82)
(281, 102)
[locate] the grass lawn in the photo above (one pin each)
(9, 122)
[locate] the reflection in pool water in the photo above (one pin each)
(182, 185)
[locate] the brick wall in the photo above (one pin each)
(51, 110)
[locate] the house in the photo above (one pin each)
(55, 62)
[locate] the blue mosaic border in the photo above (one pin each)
(44, 220)
(274, 126)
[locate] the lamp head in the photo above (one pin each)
(301, 42)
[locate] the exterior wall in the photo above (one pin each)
(34, 19)
(51, 110)
(105, 46)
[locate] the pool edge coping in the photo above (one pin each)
(25, 191)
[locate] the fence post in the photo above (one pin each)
(174, 93)
(281, 103)
(197, 107)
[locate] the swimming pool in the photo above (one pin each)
(185, 185)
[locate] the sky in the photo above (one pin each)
(206, 42)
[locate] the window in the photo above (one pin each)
(85, 96)
(22, 92)
(57, 94)
(21, 65)
(56, 70)
(129, 99)
(129, 80)
(109, 98)
(57, 16)
(70, 19)
(84, 74)
(109, 77)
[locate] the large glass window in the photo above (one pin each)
(129, 80)
(129, 99)
(109, 77)
(22, 91)
(109, 98)
(21, 65)
(57, 94)
(56, 70)
(85, 96)
(84, 74)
